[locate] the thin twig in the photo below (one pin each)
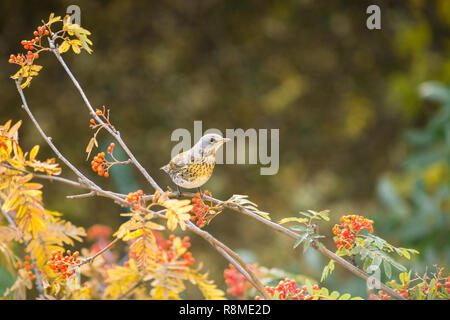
(111, 131)
(45, 137)
(125, 294)
(91, 258)
(81, 196)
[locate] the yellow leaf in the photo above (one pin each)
(14, 129)
(76, 48)
(293, 219)
(36, 67)
(26, 83)
(34, 152)
(52, 19)
(5, 127)
(133, 234)
(89, 147)
(64, 46)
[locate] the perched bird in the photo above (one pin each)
(192, 168)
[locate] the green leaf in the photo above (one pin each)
(298, 228)
(377, 261)
(306, 214)
(300, 240)
(404, 277)
(367, 263)
(327, 270)
(387, 269)
(292, 219)
(398, 266)
(405, 253)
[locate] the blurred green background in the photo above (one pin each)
(360, 132)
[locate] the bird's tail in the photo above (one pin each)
(165, 168)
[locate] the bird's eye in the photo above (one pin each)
(212, 140)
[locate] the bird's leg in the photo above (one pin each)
(178, 192)
(200, 191)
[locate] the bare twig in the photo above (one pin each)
(47, 138)
(81, 196)
(91, 258)
(111, 131)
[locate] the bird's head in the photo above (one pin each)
(210, 143)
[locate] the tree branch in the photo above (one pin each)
(113, 132)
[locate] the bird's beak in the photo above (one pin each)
(225, 140)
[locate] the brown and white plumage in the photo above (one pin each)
(193, 168)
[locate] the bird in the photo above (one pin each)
(193, 168)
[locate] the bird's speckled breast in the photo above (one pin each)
(195, 173)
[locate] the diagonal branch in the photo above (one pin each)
(113, 132)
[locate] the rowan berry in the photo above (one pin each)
(237, 284)
(349, 228)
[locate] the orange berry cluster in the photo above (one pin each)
(135, 197)
(200, 209)
(23, 59)
(63, 263)
(167, 252)
(27, 267)
(111, 147)
(237, 284)
(384, 296)
(287, 290)
(350, 226)
(100, 165)
(29, 45)
(171, 251)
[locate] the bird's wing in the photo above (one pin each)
(179, 161)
